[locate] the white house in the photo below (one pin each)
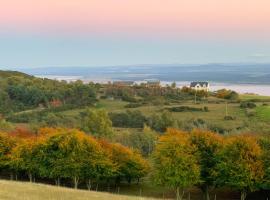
(199, 86)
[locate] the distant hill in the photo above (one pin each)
(6, 74)
(224, 73)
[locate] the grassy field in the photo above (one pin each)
(263, 113)
(253, 96)
(10, 190)
(215, 116)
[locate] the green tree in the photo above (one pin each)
(240, 164)
(208, 145)
(265, 146)
(175, 164)
(160, 122)
(97, 123)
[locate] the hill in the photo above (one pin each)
(10, 190)
(6, 74)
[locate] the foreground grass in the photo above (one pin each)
(10, 190)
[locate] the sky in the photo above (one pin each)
(42, 33)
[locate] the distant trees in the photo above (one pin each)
(227, 94)
(21, 92)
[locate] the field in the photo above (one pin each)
(10, 190)
(25, 191)
(263, 112)
(215, 116)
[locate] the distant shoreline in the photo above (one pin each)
(243, 88)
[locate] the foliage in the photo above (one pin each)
(265, 146)
(208, 145)
(247, 104)
(143, 141)
(96, 122)
(187, 109)
(58, 153)
(227, 94)
(160, 122)
(131, 119)
(175, 164)
(240, 165)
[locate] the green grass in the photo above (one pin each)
(247, 97)
(10, 190)
(263, 113)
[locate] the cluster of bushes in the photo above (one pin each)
(128, 119)
(227, 94)
(208, 160)
(188, 109)
(155, 95)
(136, 119)
(247, 104)
(68, 155)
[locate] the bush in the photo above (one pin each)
(187, 109)
(133, 105)
(129, 119)
(247, 104)
(229, 118)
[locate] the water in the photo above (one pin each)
(259, 89)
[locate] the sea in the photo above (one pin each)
(252, 88)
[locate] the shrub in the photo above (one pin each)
(229, 118)
(247, 104)
(186, 109)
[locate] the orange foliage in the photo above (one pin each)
(22, 132)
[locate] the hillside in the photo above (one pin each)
(10, 190)
(6, 74)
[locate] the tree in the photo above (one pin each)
(6, 145)
(97, 122)
(208, 145)
(24, 157)
(69, 153)
(240, 164)
(129, 164)
(160, 122)
(265, 146)
(175, 164)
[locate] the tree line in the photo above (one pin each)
(68, 155)
(207, 160)
(179, 160)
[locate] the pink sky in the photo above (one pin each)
(137, 17)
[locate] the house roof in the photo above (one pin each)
(193, 84)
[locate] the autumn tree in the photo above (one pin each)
(208, 145)
(129, 164)
(69, 153)
(175, 164)
(240, 164)
(6, 145)
(24, 158)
